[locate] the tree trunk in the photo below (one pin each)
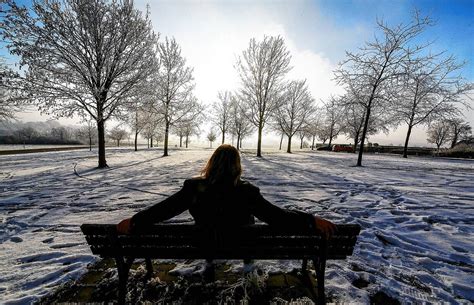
(186, 141)
(238, 141)
(259, 140)
(180, 141)
(455, 137)
(223, 137)
(136, 138)
(405, 148)
(281, 141)
(165, 145)
(364, 133)
(301, 143)
(356, 141)
(90, 143)
(241, 142)
(151, 142)
(118, 143)
(312, 144)
(288, 149)
(101, 140)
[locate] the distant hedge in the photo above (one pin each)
(459, 151)
(43, 140)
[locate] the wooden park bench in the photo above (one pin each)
(171, 241)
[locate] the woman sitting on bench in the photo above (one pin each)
(220, 198)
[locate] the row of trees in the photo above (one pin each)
(390, 81)
(101, 59)
(397, 80)
(98, 59)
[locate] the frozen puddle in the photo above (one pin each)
(417, 216)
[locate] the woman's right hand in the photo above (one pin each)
(124, 226)
(325, 227)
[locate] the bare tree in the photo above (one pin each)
(313, 126)
(189, 124)
(222, 112)
(88, 131)
(118, 134)
(353, 121)
(262, 67)
(302, 133)
(460, 130)
(282, 135)
(353, 118)
(211, 137)
(373, 72)
(81, 56)
(175, 86)
(8, 106)
(332, 122)
(430, 89)
(240, 126)
(137, 119)
(438, 133)
(295, 109)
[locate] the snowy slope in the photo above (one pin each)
(417, 215)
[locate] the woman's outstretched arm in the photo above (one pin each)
(166, 209)
(276, 216)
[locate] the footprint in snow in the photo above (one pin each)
(459, 249)
(16, 239)
(48, 240)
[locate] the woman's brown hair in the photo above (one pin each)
(223, 166)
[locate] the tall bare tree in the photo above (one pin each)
(262, 67)
(222, 112)
(431, 88)
(240, 125)
(174, 88)
(373, 72)
(82, 56)
(293, 114)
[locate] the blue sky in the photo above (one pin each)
(213, 33)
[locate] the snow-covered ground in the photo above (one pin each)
(417, 242)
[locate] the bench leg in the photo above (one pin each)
(307, 279)
(304, 266)
(123, 268)
(149, 268)
(209, 273)
(320, 268)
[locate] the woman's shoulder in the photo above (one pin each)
(248, 186)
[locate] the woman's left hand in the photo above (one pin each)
(324, 226)
(124, 226)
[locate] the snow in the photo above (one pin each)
(417, 215)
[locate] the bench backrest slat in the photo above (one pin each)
(189, 241)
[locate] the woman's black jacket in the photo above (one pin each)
(225, 205)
